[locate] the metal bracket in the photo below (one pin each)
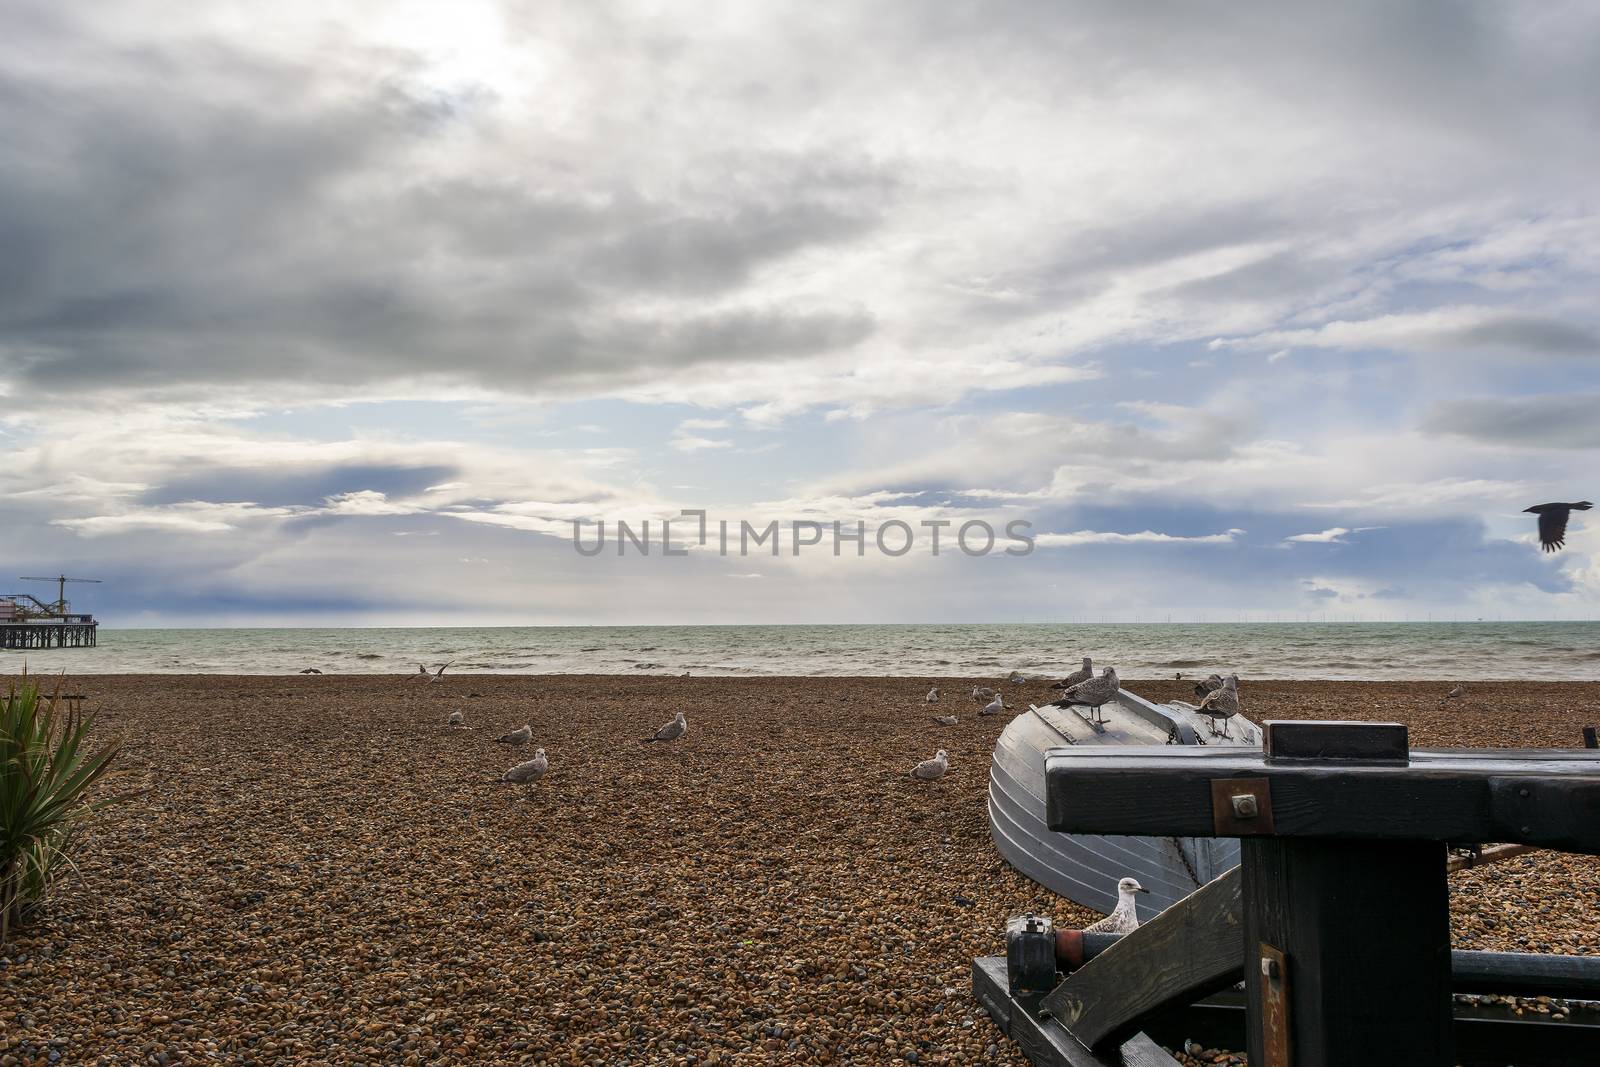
(1241, 807)
(1274, 1007)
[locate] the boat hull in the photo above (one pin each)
(1086, 867)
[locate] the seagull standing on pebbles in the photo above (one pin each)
(516, 738)
(672, 731)
(1222, 704)
(530, 772)
(946, 720)
(1125, 918)
(1457, 693)
(457, 719)
(1077, 677)
(1017, 678)
(994, 707)
(932, 769)
(933, 695)
(982, 693)
(1092, 694)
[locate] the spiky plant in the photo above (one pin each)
(45, 778)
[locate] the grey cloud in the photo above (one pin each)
(307, 488)
(1561, 421)
(1526, 333)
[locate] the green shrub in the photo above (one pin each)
(45, 779)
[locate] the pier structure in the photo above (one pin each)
(28, 622)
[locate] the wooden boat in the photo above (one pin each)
(1085, 867)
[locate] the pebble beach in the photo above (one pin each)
(316, 869)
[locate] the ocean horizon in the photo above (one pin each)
(1557, 650)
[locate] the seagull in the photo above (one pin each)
(982, 692)
(931, 769)
(310, 670)
(933, 695)
(994, 707)
(1093, 693)
(1082, 674)
(1553, 522)
(1017, 678)
(672, 731)
(438, 673)
(516, 738)
(1211, 684)
(1455, 694)
(458, 719)
(1125, 918)
(530, 772)
(1221, 704)
(946, 720)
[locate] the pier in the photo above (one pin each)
(28, 622)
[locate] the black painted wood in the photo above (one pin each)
(1545, 797)
(1044, 1041)
(1292, 739)
(1364, 927)
(1187, 952)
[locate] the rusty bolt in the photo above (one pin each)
(1245, 807)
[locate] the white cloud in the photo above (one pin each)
(1144, 537)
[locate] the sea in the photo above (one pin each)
(1325, 650)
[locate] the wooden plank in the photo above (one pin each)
(1364, 930)
(1187, 952)
(1044, 1041)
(1323, 740)
(1167, 792)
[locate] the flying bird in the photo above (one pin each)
(1221, 704)
(439, 673)
(1553, 522)
(1125, 918)
(672, 731)
(1211, 684)
(529, 772)
(1082, 674)
(982, 693)
(933, 696)
(310, 670)
(930, 769)
(516, 738)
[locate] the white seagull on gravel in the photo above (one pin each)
(982, 693)
(1125, 919)
(946, 720)
(930, 769)
(457, 719)
(994, 707)
(672, 731)
(933, 695)
(530, 772)
(516, 738)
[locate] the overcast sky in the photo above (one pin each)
(342, 312)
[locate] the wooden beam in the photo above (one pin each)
(1044, 1041)
(1189, 951)
(1546, 797)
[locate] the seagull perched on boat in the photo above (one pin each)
(1124, 919)
(458, 719)
(933, 695)
(1082, 674)
(982, 693)
(530, 772)
(1222, 704)
(946, 720)
(931, 769)
(672, 731)
(994, 707)
(1553, 522)
(1092, 694)
(516, 738)
(1211, 684)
